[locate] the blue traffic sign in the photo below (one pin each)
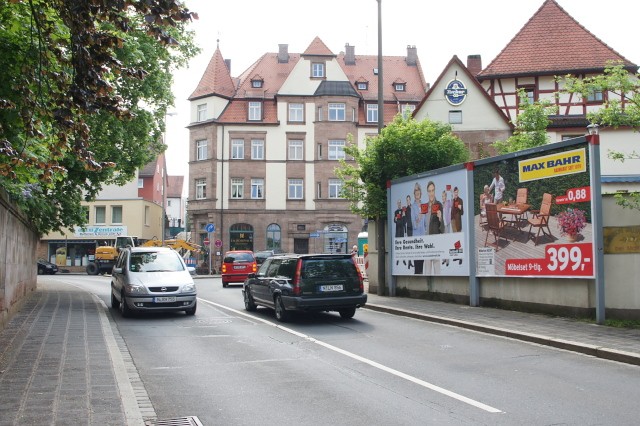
(210, 227)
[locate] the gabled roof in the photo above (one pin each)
(175, 185)
(552, 43)
(149, 169)
(318, 48)
(216, 79)
(273, 73)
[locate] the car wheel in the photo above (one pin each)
(347, 313)
(281, 313)
(114, 301)
(192, 311)
(224, 284)
(249, 304)
(125, 311)
(40, 271)
(92, 269)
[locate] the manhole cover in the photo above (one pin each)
(178, 421)
(213, 321)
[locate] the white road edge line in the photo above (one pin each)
(405, 376)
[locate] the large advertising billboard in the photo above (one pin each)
(427, 221)
(533, 215)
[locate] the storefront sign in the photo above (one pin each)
(455, 93)
(98, 231)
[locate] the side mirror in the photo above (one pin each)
(116, 270)
(251, 275)
(192, 270)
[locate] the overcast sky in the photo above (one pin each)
(439, 29)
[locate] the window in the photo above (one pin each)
(140, 183)
(146, 215)
(116, 214)
(317, 70)
(201, 189)
(595, 96)
(335, 186)
(319, 113)
(295, 189)
(336, 150)
(455, 117)
(168, 203)
(336, 112)
(372, 113)
(237, 149)
(529, 94)
(407, 110)
(257, 188)
(296, 150)
(256, 83)
(202, 112)
(201, 150)
(296, 112)
(274, 235)
(399, 87)
(257, 149)
(363, 86)
(101, 213)
(318, 190)
(255, 111)
(237, 188)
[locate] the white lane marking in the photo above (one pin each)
(389, 370)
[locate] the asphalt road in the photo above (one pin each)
(228, 366)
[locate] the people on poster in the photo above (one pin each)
(399, 220)
(407, 214)
(418, 222)
(485, 198)
(435, 224)
(498, 185)
(446, 205)
(457, 210)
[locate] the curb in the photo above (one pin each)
(583, 348)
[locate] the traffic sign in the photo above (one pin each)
(218, 243)
(210, 227)
(206, 242)
(314, 235)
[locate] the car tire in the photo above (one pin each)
(40, 271)
(347, 313)
(92, 269)
(125, 311)
(224, 284)
(191, 311)
(114, 301)
(281, 313)
(249, 304)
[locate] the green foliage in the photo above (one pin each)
(405, 147)
(617, 83)
(84, 92)
(530, 126)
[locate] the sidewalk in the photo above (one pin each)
(62, 360)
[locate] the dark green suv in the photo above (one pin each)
(306, 282)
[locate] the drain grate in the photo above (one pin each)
(178, 421)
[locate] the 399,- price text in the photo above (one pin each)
(570, 260)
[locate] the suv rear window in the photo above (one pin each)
(323, 268)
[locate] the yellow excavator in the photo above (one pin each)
(106, 256)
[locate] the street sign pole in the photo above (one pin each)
(210, 228)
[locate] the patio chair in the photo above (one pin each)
(521, 198)
(495, 225)
(540, 218)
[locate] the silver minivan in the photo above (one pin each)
(152, 279)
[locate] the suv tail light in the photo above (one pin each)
(360, 279)
(295, 282)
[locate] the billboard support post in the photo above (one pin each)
(598, 241)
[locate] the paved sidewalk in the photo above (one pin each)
(60, 364)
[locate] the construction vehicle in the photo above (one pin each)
(106, 256)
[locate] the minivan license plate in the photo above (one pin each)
(335, 287)
(165, 299)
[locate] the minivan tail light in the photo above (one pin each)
(295, 282)
(224, 268)
(360, 278)
(254, 267)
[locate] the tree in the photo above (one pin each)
(405, 147)
(85, 88)
(530, 126)
(621, 109)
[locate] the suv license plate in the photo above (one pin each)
(331, 287)
(165, 299)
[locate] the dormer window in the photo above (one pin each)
(317, 70)
(257, 83)
(400, 87)
(362, 85)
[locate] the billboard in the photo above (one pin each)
(427, 222)
(533, 215)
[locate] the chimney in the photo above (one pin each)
(283, 53)
(227, 62)
(474, 64)
(350, 55)
(412, 56)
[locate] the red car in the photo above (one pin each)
(237, 265)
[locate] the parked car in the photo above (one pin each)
(152, 279)
(306, 282)
(45, 267)
(262, 255)
(237, 265)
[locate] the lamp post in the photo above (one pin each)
(382, 258)
(164, 176)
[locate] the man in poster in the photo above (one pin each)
(435, 224)
(399, 220)
(457, 211)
